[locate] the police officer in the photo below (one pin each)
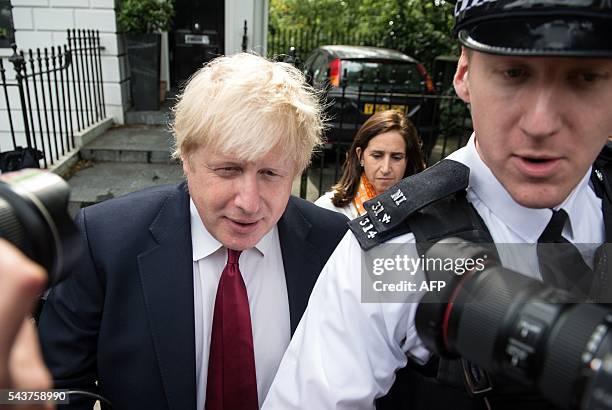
(538, 77)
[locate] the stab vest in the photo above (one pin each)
(433, 205)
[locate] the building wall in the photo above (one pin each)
(255, 12)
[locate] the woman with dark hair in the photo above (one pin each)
(386, 149)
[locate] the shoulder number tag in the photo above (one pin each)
(377, 208)
(367, 226)
(398, 197)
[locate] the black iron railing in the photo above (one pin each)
(304, 41)
(60, 92)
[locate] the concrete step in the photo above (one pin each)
(106, 180)
(159, 117)
(143, 144)
(147, 117)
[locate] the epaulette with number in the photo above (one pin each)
(386, 213)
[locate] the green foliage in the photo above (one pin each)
(4, 32)
(420, 28)
(145, 16)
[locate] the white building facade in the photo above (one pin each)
(44, 23)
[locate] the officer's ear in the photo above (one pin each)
(461, 80)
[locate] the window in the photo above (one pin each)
(405, 75)
(320, 69)
(7, 32)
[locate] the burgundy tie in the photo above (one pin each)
(231, 383)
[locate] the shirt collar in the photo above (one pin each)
(528, 223)
(204, 244)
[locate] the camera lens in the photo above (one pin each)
(517, 327)
(34, 217)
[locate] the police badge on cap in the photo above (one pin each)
(572, 28)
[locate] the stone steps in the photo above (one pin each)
(159, 117)
(143, 144)
(123, 160)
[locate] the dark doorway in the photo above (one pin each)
(197, 36)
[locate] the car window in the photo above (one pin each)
(320, 69)
(406, 76)
(308, 63)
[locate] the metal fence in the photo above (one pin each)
(443, 122)
(304, 41)
(59, 93)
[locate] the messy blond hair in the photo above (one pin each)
(246, 105)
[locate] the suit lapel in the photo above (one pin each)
(166, 273)
(301, 260)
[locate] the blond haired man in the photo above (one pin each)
(188, 295)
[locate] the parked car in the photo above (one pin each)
(363, 80)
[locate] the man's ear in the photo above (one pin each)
(185, 161)
(461, 80)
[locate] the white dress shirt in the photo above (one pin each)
(325, 201)
(264, 276)
(344, 353)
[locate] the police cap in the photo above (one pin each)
(573, 28)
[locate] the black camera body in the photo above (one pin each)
(34, 217)
(518, 327)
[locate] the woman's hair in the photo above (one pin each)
(379, 123)
(246, 105)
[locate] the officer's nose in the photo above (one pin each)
(542, 113)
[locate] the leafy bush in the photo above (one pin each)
(145, 16)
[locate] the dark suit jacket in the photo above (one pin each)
(126, 316)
